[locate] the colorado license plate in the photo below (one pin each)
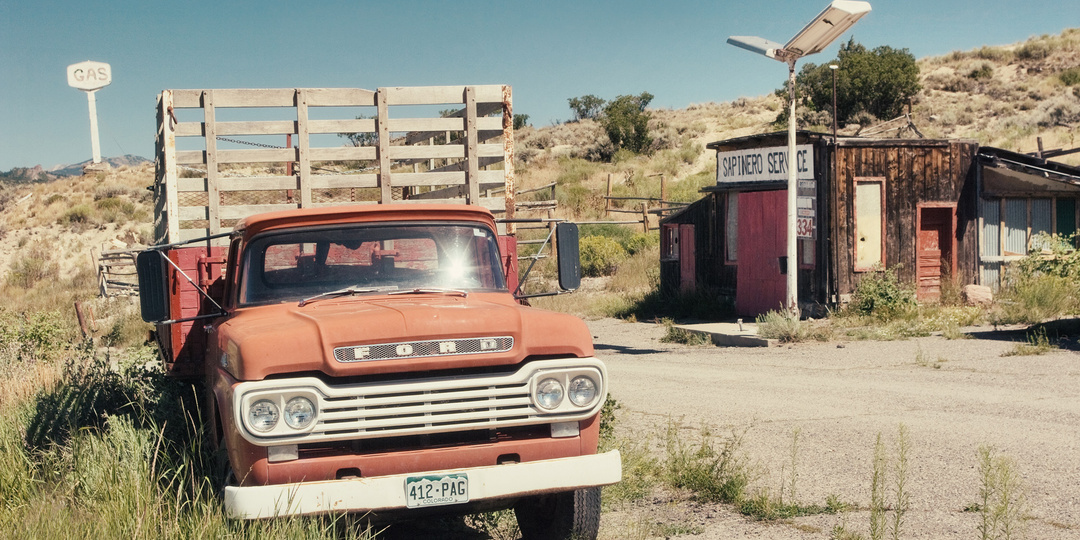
(422, 491)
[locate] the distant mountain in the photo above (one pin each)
(127, 160)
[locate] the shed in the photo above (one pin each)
(863, 204)
(934, 210)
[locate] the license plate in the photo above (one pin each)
(423, 491)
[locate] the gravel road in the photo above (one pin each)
(954, 396)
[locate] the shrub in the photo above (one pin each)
(881, 295)
(984, 71)
(587, 106)
(1033, 50)
(600, 256)
(32, 267)
(1070, 77)
(627, 123)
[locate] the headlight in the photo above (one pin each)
(582, 391)
(263, 415)
(549, 393)
(299, 412)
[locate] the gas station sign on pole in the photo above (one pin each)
(90, 77)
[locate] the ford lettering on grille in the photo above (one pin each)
(421, 349)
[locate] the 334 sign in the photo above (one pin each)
(804, 227)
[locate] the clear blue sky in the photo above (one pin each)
(548, 50)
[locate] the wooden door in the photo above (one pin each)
(687, 266)
(762, 237)
(934, 259)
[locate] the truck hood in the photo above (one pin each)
(258, 342)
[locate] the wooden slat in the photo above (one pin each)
(213, 197)
(279, 97)
(356, 125)
(453, 192)
(429, 95)
(304, 146)
(382, 152)
(270, 183)
(344, 153)
(508, 155)
(472, 157)
(444, 178)
(171, 158)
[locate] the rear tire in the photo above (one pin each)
(560, 516)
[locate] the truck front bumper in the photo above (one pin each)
(387, 493)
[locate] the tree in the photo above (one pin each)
(879, 82)
(587, 106)
(520, 121)
(627, 123)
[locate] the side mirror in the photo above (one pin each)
(153, 291)
(566, 242)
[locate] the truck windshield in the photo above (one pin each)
(290, 266)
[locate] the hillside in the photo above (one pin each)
(1003, 96)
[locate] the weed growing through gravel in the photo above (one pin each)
(880, 524)
(1037, 343)
(1001, 503)
(680, 335)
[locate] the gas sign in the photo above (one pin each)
(89, 75)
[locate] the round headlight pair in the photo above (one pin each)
(263, 415)
(550, 392)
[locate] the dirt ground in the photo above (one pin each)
(953, 396)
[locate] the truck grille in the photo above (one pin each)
(418, 407)
(421, 349)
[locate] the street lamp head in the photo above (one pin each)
(834, 20)
(834, 67)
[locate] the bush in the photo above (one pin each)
(881, 295)
(1070, 77)
(34, 266)
(587, 106)
(627, 123)
(600, 256)
(880, 82)
(984, 71)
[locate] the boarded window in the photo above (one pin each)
(869, 223)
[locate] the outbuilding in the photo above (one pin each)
(924, 207)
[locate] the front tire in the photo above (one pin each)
(560, 516)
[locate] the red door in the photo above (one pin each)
(687, 268)
(762, 241)
(934, 258)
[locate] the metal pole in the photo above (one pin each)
(792, 299)
(833, 68)
(94, 144)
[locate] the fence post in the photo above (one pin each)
(645, 215)
(607, 201)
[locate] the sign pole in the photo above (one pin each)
(792, 299)
(95, 144)
(90, 77)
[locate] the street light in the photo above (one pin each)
(836, 19)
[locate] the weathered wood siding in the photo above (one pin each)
(914, 172)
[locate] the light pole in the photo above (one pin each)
(826, 27)
(833, 68)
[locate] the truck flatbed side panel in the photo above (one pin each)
(224, 154)
(183, 344)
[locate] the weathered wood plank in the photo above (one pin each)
(383, 153)
(212, 196)
(279, 97)
(423, 95)
(472, 158)
(304, 147)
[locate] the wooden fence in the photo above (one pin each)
(220, 153)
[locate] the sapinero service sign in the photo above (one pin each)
(763, 164)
